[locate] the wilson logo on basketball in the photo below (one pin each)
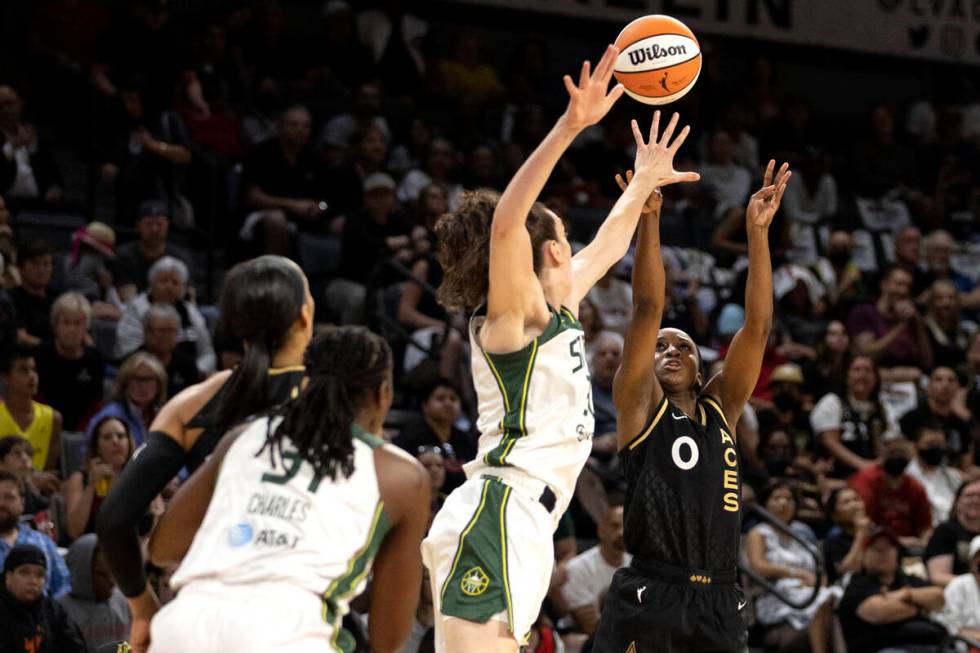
(639, 55)
(656, 52)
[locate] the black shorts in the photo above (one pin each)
(656, 608)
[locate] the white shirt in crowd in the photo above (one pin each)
(729, 185)
(828, 415)
(940, 485)
(589, 576)
(614, 301)
(962, 609)
(803, 205)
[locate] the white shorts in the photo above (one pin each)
(213, 617)
(490, 555)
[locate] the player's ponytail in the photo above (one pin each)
(463, 247)
(260, 301)
(346, 368)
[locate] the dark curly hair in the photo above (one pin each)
(346, 365)
(464, 246)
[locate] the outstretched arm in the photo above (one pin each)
(734, 385)
(635, 389)
(511, 299)
(654, 169)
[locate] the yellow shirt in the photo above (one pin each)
(38, 433)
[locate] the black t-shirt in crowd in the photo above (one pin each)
(863, 637)
(950, 538)
(133, 267)
(364, 247)
(958, 437)
(458, 450)
(683, 489)
(181, 372)
(33, 313)
(267, 168)
(72, 387)
(836, 546)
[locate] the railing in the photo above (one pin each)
(777, 524)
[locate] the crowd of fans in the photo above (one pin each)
(340, 144)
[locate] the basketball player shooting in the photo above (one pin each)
(677, 443)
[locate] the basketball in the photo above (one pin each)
(659, 59)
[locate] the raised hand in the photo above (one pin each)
(652, 204)
(589, 102)
(765, 202)
(655, 158)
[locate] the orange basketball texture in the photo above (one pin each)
(659, 59)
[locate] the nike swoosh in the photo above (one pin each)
(742, 604)
(678, 417)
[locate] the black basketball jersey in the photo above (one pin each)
(683, 489)
(284, 384)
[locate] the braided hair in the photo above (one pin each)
(346, 365)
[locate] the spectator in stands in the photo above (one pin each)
(843, 546)
(33, 299)
(837, 272)
(891, 331)
(410, 153)
(811, 195)
(160, 329)
(337, 48)
(14, 533)
(782, 559)
(143, 150)
(140, 388)
(371, 237)
(345, 180)
(95, 604)
(33, 622)
(946, 554)
(940, 405)
(440, 165)
(947, 336)
(592, 325)
(468, 78)
(168, 279)
(365, 114)
(961, 615)
(482, 168)
(86, 268)
(681, 307)
(283, 182)
(70, 371)
(908, 250)
(606, 356)
(613, 298)
(432, 459)
(939, 249)
(852, 425)
(109, 448)
(827, 371)
(590, 572)
(930, 469)
(893, 498)
(790, 410)
(15, 458)
(883, 609)
(394, 36)
(435, 427)
(880, 163)
(28, 171)
(134, 260)
(727, 182)
(21, 415)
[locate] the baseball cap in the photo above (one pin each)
(379, 181)
(787, 373)
(153, 207)
(24, 554)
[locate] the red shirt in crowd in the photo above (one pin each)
(905, 509)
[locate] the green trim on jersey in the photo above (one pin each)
(478, 586)
(369, 439)
(357, 568)
(513, 374)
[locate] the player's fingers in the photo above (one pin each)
(763, 193)
(604, 69)
(583, 78)
(629, 176)
(570, 85)
(681, 178)
(614, 95)
(767, 178)
(619, 182)
(669, 132)
(782, 187)
(676, 145)
(655, 126)
(636, 133)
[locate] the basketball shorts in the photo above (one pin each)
(490, 555)
(213, 617)
(657, 608)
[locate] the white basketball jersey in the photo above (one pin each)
(276, 522)
(535, 406)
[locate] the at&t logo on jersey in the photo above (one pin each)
(240, 534)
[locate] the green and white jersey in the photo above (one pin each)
(535, 406)
(271, 520)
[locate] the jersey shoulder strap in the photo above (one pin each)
(657, 415)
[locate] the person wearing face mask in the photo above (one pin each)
(930, 469)
(838, 273)
(894, 499)
(940, 405)
(790, 408)
(961, 615)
